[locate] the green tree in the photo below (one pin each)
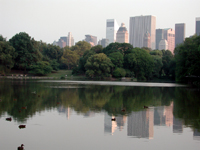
(157, 68)
(156, 52)
(26, 53)
(7, 56)
(166, 59)
(41, 68)
(117, 59)
(81, 47)
(117, 47)
(52, 51)
(140, 62)
(119, 72)
(187, 56)
(97, 49)
(98, 65)
(70, 58)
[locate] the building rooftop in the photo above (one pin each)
(122, 28)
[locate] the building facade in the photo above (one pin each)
(139, 25)
(159, 36)
(91, 39)
(61, 43)
(111, 30)
(65, 41)
(103, 42)
(70, 40)
(179, 33)
(147, 40)
(198, 26)
(122, 34)
(163, 45)
(169, 36)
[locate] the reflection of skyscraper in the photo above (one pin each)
(89, 114)
(140, 124)
(196, 135)
(169, 115)
(64, 110)
(109, 126)
(159, 118)
(177, 125)
(120, 121)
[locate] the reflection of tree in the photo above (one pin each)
(90, 97)
(187, 107)
(134, 98)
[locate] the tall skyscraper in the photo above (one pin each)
(111, 30)
(122, 34)
(179, 33)
(139, 25)
(159, 36)
(70, 40)
(169, 36)
(198, 26)
(91, 39)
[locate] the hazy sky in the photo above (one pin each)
(47, 20)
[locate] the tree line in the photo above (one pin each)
(116, 60)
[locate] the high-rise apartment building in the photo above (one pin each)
(91, 39)
(198, 26)
(122, 34)
(169, 36)
(139, 25)
(179, 33)
(111, 30)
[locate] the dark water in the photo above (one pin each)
(77, 115)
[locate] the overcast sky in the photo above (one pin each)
(47, 20)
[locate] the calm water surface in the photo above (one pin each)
(77, 115)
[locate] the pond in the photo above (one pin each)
(98, 115)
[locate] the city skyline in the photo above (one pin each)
(49, 20)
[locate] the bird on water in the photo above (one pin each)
(9, 119)
(21, 147)
(22, 126)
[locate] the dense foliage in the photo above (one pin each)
(7, 56)
(187, 56)
(117, 59)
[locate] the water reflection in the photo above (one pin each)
(171, 107)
